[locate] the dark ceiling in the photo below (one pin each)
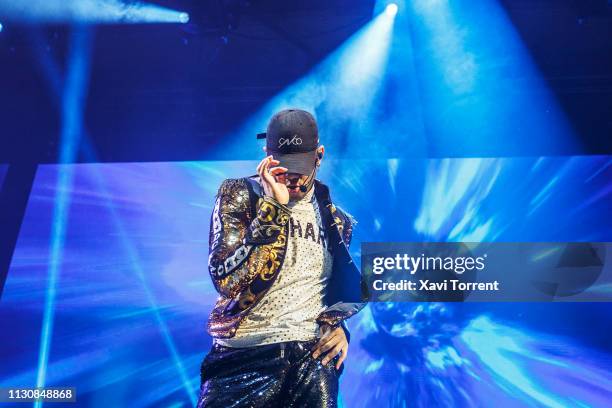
(188, 85)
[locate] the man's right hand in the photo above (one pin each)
(271, 187)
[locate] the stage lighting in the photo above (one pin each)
(391, 9)
(1, 27)
(468, 56)
(183, 18)
(90, 12)
(343, 89)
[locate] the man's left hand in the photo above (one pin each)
(331, 343)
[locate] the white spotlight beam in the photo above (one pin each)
(342, 88)
(88, 11)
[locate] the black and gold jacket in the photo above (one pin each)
(248, 243)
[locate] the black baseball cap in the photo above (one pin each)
(292, 138)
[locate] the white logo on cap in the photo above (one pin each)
(295, 140)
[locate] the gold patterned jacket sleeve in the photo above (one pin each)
(235, 234)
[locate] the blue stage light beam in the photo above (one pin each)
(74, 95)
(89, 12)
(136, 266)
(1, 27)
(480, 89)
(51, 71)
(480, 92)
(341, 91)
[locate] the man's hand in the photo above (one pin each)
(271, 187)
(331, 343)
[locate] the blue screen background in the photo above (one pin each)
(133, 293)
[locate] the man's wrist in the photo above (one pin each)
(276, 203)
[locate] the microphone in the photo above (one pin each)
(305, 187)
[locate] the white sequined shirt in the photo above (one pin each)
(289, 309)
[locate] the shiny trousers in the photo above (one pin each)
(275, 375)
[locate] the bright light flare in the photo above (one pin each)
(89, 11)
(391, 9)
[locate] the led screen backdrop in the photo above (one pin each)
(132, 292)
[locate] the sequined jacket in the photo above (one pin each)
(248, 243)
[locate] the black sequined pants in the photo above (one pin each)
(275, 375)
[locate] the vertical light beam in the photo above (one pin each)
(73, 102)
(52, 73)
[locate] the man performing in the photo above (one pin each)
(279, 259)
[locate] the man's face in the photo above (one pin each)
(293, 181)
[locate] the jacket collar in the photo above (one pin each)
(322, 193)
